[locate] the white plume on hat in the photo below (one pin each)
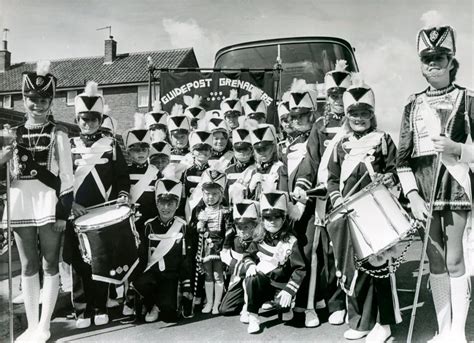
(431, 19)
(177, 110)
(341, 65)
(92, 89)
(43, 68)
(233, 94)
(358, 80)
(157, 106)
(139, 121)
(194, 101)
(299, 86)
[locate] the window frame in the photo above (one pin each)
(70, 102)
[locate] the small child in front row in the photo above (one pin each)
(169, 257)
(212, 222)
(273, 261)
(246, 218)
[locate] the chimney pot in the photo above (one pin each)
(5, 57)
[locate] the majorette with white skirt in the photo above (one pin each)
(40, 198)
(100, 175)
(363, 155)
(440, 121)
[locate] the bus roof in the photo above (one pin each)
(287, 40)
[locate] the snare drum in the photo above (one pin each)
(376, 219)
(108, 242)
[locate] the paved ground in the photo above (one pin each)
(206, 328)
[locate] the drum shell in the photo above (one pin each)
(377, 221)
(111, 249)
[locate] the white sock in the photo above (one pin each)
(50, 295)
(31, 291)
(441, 292)
(460, 293)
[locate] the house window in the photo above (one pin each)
(7, 101)
(70, 97)
(143, 95)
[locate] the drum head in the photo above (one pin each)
(102, 216)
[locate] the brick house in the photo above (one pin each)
(122, 78)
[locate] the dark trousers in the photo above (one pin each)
(233, 300)
(159, 288)
(89, 296)
(334, 295)
(371, 302)
(259, 290)
(304, 231)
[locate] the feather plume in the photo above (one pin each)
(357, 80)
(256, 93)
(43, 67)
(220, 166)
(236, 192)
(431, 19)
(244, 98)
(269, 185)
(233, 95)
(195, 101)
(250, 124)
(286, 96)
(157, 106)
(341, 65)
(173, 171)
(299, 86)
(106, 109)
(202, 124)
(91, 89)
(295, 211)
(177, 110)
(139, 121)
(187, 100)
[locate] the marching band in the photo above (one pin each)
(226, 214)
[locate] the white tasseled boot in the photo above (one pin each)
(50, 295)
(441, 292)
(460, 293)
(218, 291)
(209, 288)
(31, 291)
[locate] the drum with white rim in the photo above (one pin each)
(377, 222)
(109, 242)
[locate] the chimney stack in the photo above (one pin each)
(110, 50)
(5, 55)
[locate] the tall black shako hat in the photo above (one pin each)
(40, 83)
(435, 38)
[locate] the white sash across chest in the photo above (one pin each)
(279, 254)
(295, 154)
(361, 151)
(142, 185)
(167, 242)
(90, 157)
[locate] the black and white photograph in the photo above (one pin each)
(236, 171)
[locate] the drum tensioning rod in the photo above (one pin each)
(425, 245)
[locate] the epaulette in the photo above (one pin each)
(180, 220)
(150, 220)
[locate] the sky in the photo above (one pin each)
(382, 31)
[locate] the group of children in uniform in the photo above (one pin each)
(225, 222)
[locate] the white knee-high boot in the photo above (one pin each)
(31, 292)
(460, 293)
(209, 288)
(50, 295)
(441, 292)
(218, 292)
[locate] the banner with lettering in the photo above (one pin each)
(214, 87)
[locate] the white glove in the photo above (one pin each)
(225, 256)
(251, 271)
(285, 298)
(299, 194)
